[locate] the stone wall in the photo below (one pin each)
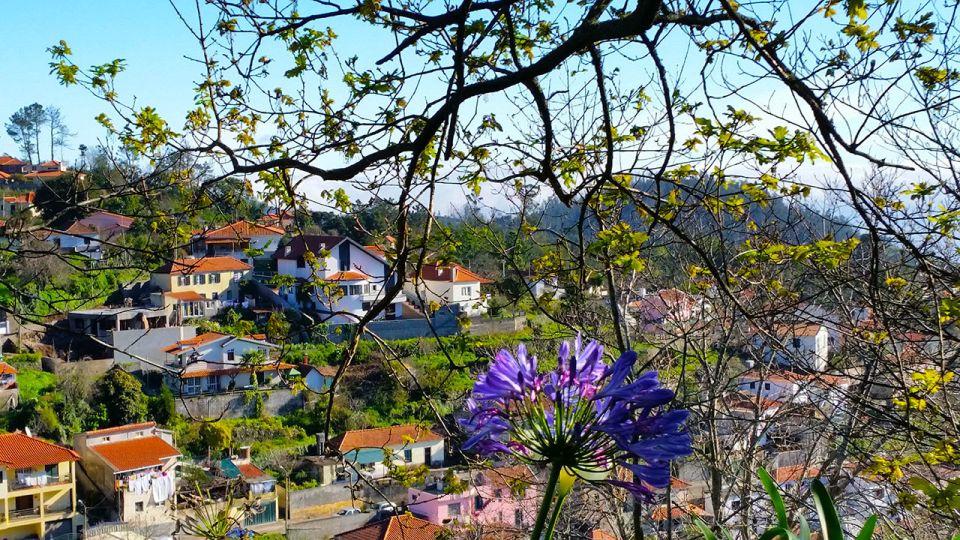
(234, 404)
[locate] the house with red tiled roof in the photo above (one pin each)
(448, 285)
(796, 387)
(490, 498)
(406, 445)
(78, 238)
(198, 287)
(402, 527)
(214, 363)
(38, 488)
(11, 165)
(668, 313)
(135, 467)
(284, 219)
(16, 204)
(335, 276)
(243, 240)
(108, 224)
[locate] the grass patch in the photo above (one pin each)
(33, 382)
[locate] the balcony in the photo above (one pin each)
(25, 513)
(40, 480)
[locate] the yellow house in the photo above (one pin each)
(199, 287)
(38, 488)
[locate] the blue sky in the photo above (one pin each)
(147, 34)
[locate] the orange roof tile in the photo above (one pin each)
(453, 273)
(7, 369)
(793, 473)
(120, 429)
(249, 471)
(349, 275)
(394, 437)
(186, 296)
(47, 174)
(677, 511)
(5, 176)
(191, 343)
(135, 454)
(376, 250)
(203, 265)
(404, 527)
(18, 451)
(10, 160)
(242, 230)
(25, 198)
(79, 228)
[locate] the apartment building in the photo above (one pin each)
(38, 488)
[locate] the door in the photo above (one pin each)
(427, 456)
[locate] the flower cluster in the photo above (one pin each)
(585, 417)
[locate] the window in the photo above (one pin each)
(366, 289)
(183, 280)
(453, 510)
(796, 343)
(213, 383)
(518, 518)
(408, 455)
(498, 493)
(231, 355)
(753, 385)
(356, 289)
(766, 386)
(466, 291)
(214, 278)
(52, 470)
(191, 386)
(366, 306)
(301, 263)
(199, 279)
(216, 296)
(138, 506)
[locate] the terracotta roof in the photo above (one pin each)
(79, 228)
(793, 473)
(7, 369)
(186, 296)
(743, 400)
(135, 454)
(49, 164)
(25, 198)
(242, 230)
(10, 160)
(326, 371)
(298, 245)
(203, 265)
(194, 342)
(349, 275)
(234, 370)
(120, 429)
(18, 451)
(677, 511)
(503, 476)
(5, 176)
(249, 471)
(376, 250)
(404, 527)
(47, 174)
(394, 437)
(797, 330)
(453, 273)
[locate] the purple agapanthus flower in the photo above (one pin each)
(586, 416)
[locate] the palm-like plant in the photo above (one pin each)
(830, 525)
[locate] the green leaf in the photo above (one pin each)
(804, 528)
(704, 529)
(771, 487)
(829, 520)
(776, 532)
(866, 533)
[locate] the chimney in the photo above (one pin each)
(244, 453)
(306, 358)
(321, 443)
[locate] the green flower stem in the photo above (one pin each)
(545, 504)
(561, 498)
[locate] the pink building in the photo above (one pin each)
(506, 496)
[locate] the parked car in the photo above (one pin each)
(348, 511)
(386, 509)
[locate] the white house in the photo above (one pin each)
(364, 450)
(540, 287)
(317, 378)
(444, 286)
(213, 363)
(134, 466)
(342, 283)
(802, 346)
(234, 239)
(12, 205)
(792, 387)
(78, 238)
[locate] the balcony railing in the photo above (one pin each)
(24, 513)
(39, 481)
